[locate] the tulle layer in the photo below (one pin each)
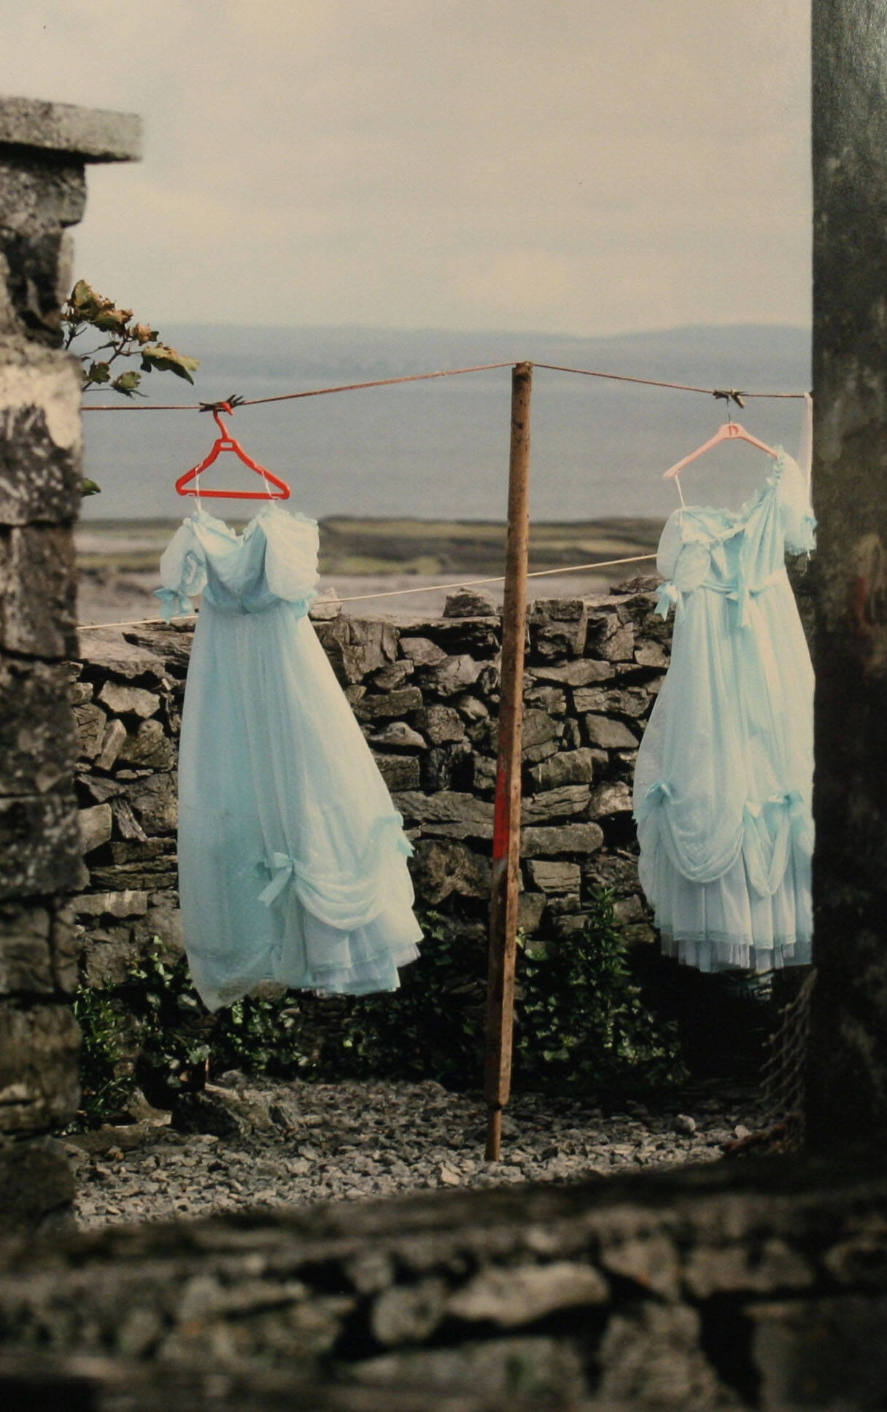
(753, 916)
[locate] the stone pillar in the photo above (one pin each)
(43, 151)
(848, 1090)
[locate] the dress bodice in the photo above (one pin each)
(737, 553)
(274, 559)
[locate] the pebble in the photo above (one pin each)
(377, 1137)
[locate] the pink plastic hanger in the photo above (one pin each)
(226, 442)
(730, 431)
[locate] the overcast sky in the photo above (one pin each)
(577, 166)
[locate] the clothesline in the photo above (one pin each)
(399, 592)
(424, 377)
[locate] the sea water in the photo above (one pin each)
(438, 449)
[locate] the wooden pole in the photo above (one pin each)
(506, 828)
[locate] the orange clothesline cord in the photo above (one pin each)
(424, 377)
(291, 396)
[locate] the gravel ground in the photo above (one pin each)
(283, 1144)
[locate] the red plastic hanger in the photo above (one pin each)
(730, 431)
(226, 442)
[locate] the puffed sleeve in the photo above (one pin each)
(292, 544)
(796, 513)
(670, 542)
(182, 572)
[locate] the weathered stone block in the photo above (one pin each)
(478, 636)
(108, 651)
(552, 876)
(129, 903)
(440, 724)
(39, 845)
(470, 603)
(397, 735)
(530, 911)
(125, 822)
(65, 947)
(357, 646)
(452, 675)
(823, 1352)
(39, 1086)
(447, 806)
(155, 873)
(567, 767)
(620, 646)
(470, 708)
(394, 675)
(559, 610)
(561, 803)
(391, 703)
(567, 904)
(578, 673)
(608, 734)
(95, 826)
(533, 754)
(110, 955)
(552, 699)
(538, 728)
(521, 1295)
(84, 134)
(37, 591)
(129, 700)
(40, 441)
(553, 842)
(36, 1186)
(422, 651)
(651, 1356)
(609, 799)
(155, 801)
(399, 771)
(91, 723)
(25, 950)
(442, 867)
(38, 743)
(162, 921)
(36, 200)
(651, 654)
(149, 747)
(446, 767)
(631, 701)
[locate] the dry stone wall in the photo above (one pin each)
(426, 696)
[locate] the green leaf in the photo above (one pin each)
(169, 360)
(89, 487)
(127, 383)
(85, 302)
(97, 372)
(111, 320)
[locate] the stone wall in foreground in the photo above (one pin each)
(751, 1285)
(426, 696)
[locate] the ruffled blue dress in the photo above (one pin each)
(723, 781)
(292, 858)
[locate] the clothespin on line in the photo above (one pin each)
(729, 395)
(228, 405)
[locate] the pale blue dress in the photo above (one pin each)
(292, 858)
(722, 791)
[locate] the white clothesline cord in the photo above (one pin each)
(396, 592)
